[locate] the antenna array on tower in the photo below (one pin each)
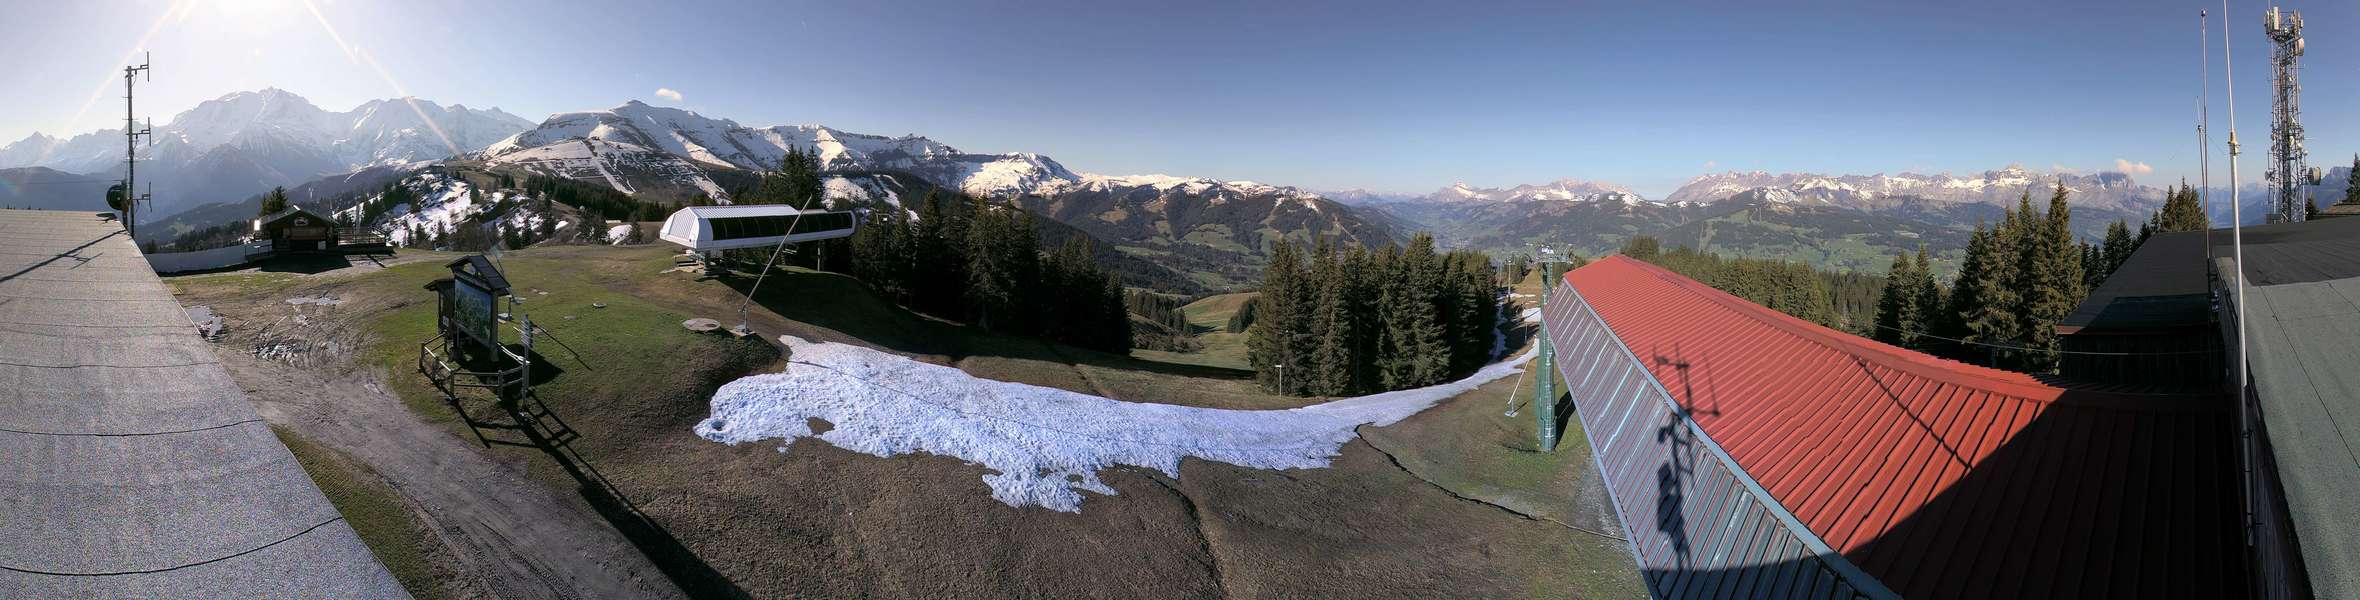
(2289, 180)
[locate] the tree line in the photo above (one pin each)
(1789, 287)
(2019, 278)
(982, 263)
(1344, 320)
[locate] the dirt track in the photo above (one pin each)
(502, 535)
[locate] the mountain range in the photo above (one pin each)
(240, 144)
(222, 152)
(1215, 231)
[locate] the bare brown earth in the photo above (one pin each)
(1443, 504)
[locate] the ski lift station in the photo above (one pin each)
(709, 228)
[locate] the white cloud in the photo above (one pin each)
(2133, 168)
(668, 94)
(1712, 164)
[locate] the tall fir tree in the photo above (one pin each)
(1897, 309)
(1987, 300)
(1273, 343)
(1332, 358)
(1415, 350)
(2352, 182)
(2183, 210)
(1930, 298)
(274, 201)
(2053, 282)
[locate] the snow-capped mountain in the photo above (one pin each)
(1565, 190)
(636, 147)
(1358, 196)
(247, 142)
(2108, 190)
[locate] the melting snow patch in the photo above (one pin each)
(1046, 444)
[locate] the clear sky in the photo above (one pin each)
(1401, 97)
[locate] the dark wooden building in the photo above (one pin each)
(295, 230)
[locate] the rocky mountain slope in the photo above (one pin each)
(1215, 231)
(231, 147)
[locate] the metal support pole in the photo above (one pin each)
(1544, 388)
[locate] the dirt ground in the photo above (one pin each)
(1443, 504)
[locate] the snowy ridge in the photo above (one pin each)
(1046, 444)
(2002, 186)
(653, 132)
(274, 122)
(1562, 190)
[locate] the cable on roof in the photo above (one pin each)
(2032, 349)
(176, 567)
(138, 434)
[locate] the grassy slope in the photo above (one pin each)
(647, 380)
(1208, 316)
(1467, 445)
(374, 510)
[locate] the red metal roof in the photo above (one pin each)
(1939, 478)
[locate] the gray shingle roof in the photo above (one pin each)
(135, 466)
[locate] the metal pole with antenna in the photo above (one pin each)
(2204, 119)
(2237, 246)
(131, 134)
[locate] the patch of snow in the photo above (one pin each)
(616, 234)
(1046, 444)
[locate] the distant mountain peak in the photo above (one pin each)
(244, 142)
(1567, 190)
(1868, 192)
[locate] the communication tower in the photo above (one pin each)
(2289, 180)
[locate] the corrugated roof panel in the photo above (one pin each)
(1936, 478)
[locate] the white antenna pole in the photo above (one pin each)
(2203, 119)
(2237, 244)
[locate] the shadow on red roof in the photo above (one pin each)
(1940, 478)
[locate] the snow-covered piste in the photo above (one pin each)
(1047, 444)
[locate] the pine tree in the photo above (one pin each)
(2116, 249)
(2183, 210)
(1415, 352)
(2051, 276)
(1271, 343)
(1897, 307)
(1930, 298)
(274, 201)
(2352, 182)
(1642, 248)
(1986, 300)
(1332, 357)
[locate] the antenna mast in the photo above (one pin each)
(2203, 120)
(132, 132)
(2287, 176)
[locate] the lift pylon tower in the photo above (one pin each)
(2289, 180)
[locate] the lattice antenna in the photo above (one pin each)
(2289, 178)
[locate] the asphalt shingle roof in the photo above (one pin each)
(2305, 361)
(133, 465)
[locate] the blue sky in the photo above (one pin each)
(1396, 97)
